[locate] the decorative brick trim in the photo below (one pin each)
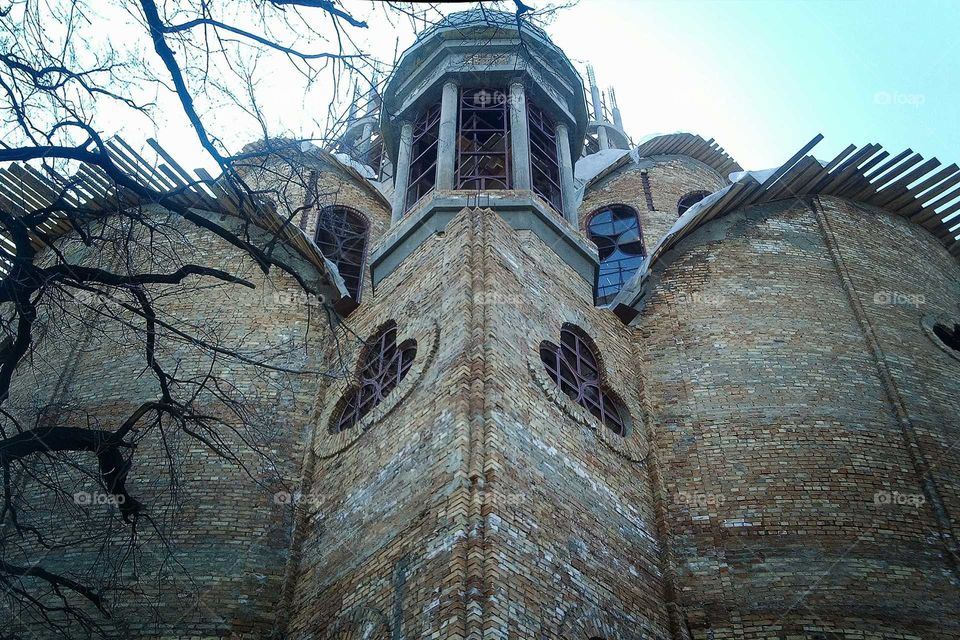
(476, 587)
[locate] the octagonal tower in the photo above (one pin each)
(478, 112)
(456, 488)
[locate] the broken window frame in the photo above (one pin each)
(342, 236)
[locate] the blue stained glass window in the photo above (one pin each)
(616, 232)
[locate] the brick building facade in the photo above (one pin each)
(752, 437)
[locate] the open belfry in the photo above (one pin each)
(593, 388)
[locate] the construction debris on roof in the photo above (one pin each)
(902, 184)
(687, 144)
(24, 190)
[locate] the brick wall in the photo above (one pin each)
(779, 438)
(785, 399)
(669, 177)
(502, 504)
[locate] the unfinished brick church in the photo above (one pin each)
(602, 389)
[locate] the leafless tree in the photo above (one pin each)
(124, 258)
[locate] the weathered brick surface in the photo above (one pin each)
(508, 507)
(228, 534)
(779, 440)
(781, 387)
(670, 178)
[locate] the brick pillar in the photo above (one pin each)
(447, 142)
(566, 177)
(402, 174)
(519, 137)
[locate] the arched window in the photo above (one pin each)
(616, 232)
(689, 200)
(342, 238)
(575, 368)
(384, 365)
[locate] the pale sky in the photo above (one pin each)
(765, 76)
(761, 76)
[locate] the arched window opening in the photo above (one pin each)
(483, 145)
(423, 155)
(689, 200)
(949, 337)
(574, 367)
(384, 365)
(544, 157)
(616, 232)
(342, 238)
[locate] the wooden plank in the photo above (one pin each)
(830, 166)
(844, 170)
(40, 185)
(161, 180)
(918, 191)
(794, 159)
(890, 170)
(18, 193)
(941, 221)
(220, 191)
(185, 176)
(897, 188)
(805, 172)
(858, 180)
(929, 207)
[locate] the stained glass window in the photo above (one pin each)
(616, 232)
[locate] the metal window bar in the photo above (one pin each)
(544, 157)
(574, 367)
(423, 163)
(385, 364)
(342, 238)
(616, 232)
(483, 140)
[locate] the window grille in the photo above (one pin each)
(385, 363)
(423, 155)
(616, 232)
(574, 367)
(483, 154)
(544, 157)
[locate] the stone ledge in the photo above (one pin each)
(521, 209)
